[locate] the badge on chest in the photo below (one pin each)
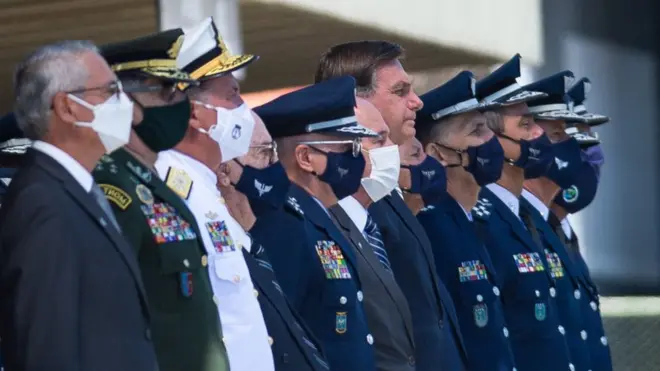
(341, 322)
(472, 270)
(220, 238)
(332, 260)
(528, 262)
(166, 224)
(556, 268)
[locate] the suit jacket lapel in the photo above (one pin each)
(320, 218)
(363, 249)
(516, 224)
(468, 229)
(89, 205)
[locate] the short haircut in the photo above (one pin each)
(495, 121)
(47, 71)
(438, 132)
(359, 59)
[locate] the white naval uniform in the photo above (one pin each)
(244, 330)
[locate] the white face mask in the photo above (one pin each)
(112, 120)
(385, 165)
(232, 131)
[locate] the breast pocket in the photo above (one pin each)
(340, 304)
(232, 272)
(482, 301)
(181, 261)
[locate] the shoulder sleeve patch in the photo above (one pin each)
(116, 195)
(483, 209)
(179, 181)
(292, 203)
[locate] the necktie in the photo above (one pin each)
(100, 199)
(375, 239)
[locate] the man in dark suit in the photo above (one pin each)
(387, 310)
(383, 82)
(72, 294)
(572, 200)
(455, 133)
(318, 143)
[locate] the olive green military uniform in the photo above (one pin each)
(185, 323)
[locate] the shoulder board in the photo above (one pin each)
(179, 181)
(427, 209)
(292, 204)
(116, 195)
(483, 209)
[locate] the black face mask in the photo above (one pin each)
(163, 127)
(536, 155)
(486, 161)
(428, 179)
(343, 172)
(266, 189)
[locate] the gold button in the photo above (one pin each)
(237, 278)
(205, 261)
(270, 341)
(256, 293)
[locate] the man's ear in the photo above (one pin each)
(195, 116)
(303, 157)
(437, 152)
(66, 109)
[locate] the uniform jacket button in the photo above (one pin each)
(577, 294)
(147, 334)
(583, 334)
(370, 339)
(343, 300)
(594, 306)
(603, 340)
(270, 341)
(496, 291)
(285, 358)
(411, 360)
(480, 298)
(506, 332)
(571, 367)
(186, 263)
(561, 329)
(553, 292)
(537, 293)
(360, 296)
(441, 324)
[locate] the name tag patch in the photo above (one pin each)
(186, 283)
(472, 270)
(529, 262)
(166, 225)
(332, 260)
(222, 241)
(556, 268)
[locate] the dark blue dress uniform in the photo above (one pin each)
(461, 260)
(466, 269)
(294, 348)
(526, 287)
(438, 341)
(569, 291)
(599, 350)
(12, 148)
(313, 261)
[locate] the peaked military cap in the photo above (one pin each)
(454, 97)
(204, 54)
(578, 94)
(12, 140)
(501, 88)
(557, 105)
(154, 55)
(327, 107)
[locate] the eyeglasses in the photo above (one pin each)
(268, 149)
(109, 89)
(166, 89)
(356, 144)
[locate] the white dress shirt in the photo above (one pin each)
(77, 171)
(468, 214)
(509, 199)
(355, 211)
(244, 330)
(537, 203)
(566, 227)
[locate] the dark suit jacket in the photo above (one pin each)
(72, 296)
(387, 310)
(294, 348)
(438, 343)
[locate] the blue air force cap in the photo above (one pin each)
(454, 97)
(326, 107)
(12, 140)
(557, 105)
(578, 94)
(501, 87)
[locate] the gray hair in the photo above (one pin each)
(495, 121)
(48, 70)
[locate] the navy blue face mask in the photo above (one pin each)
(343, 172)
(266, 189)
(486, 162)
(567, 163)
(428, 179)
(536, 156)
(582, 192)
